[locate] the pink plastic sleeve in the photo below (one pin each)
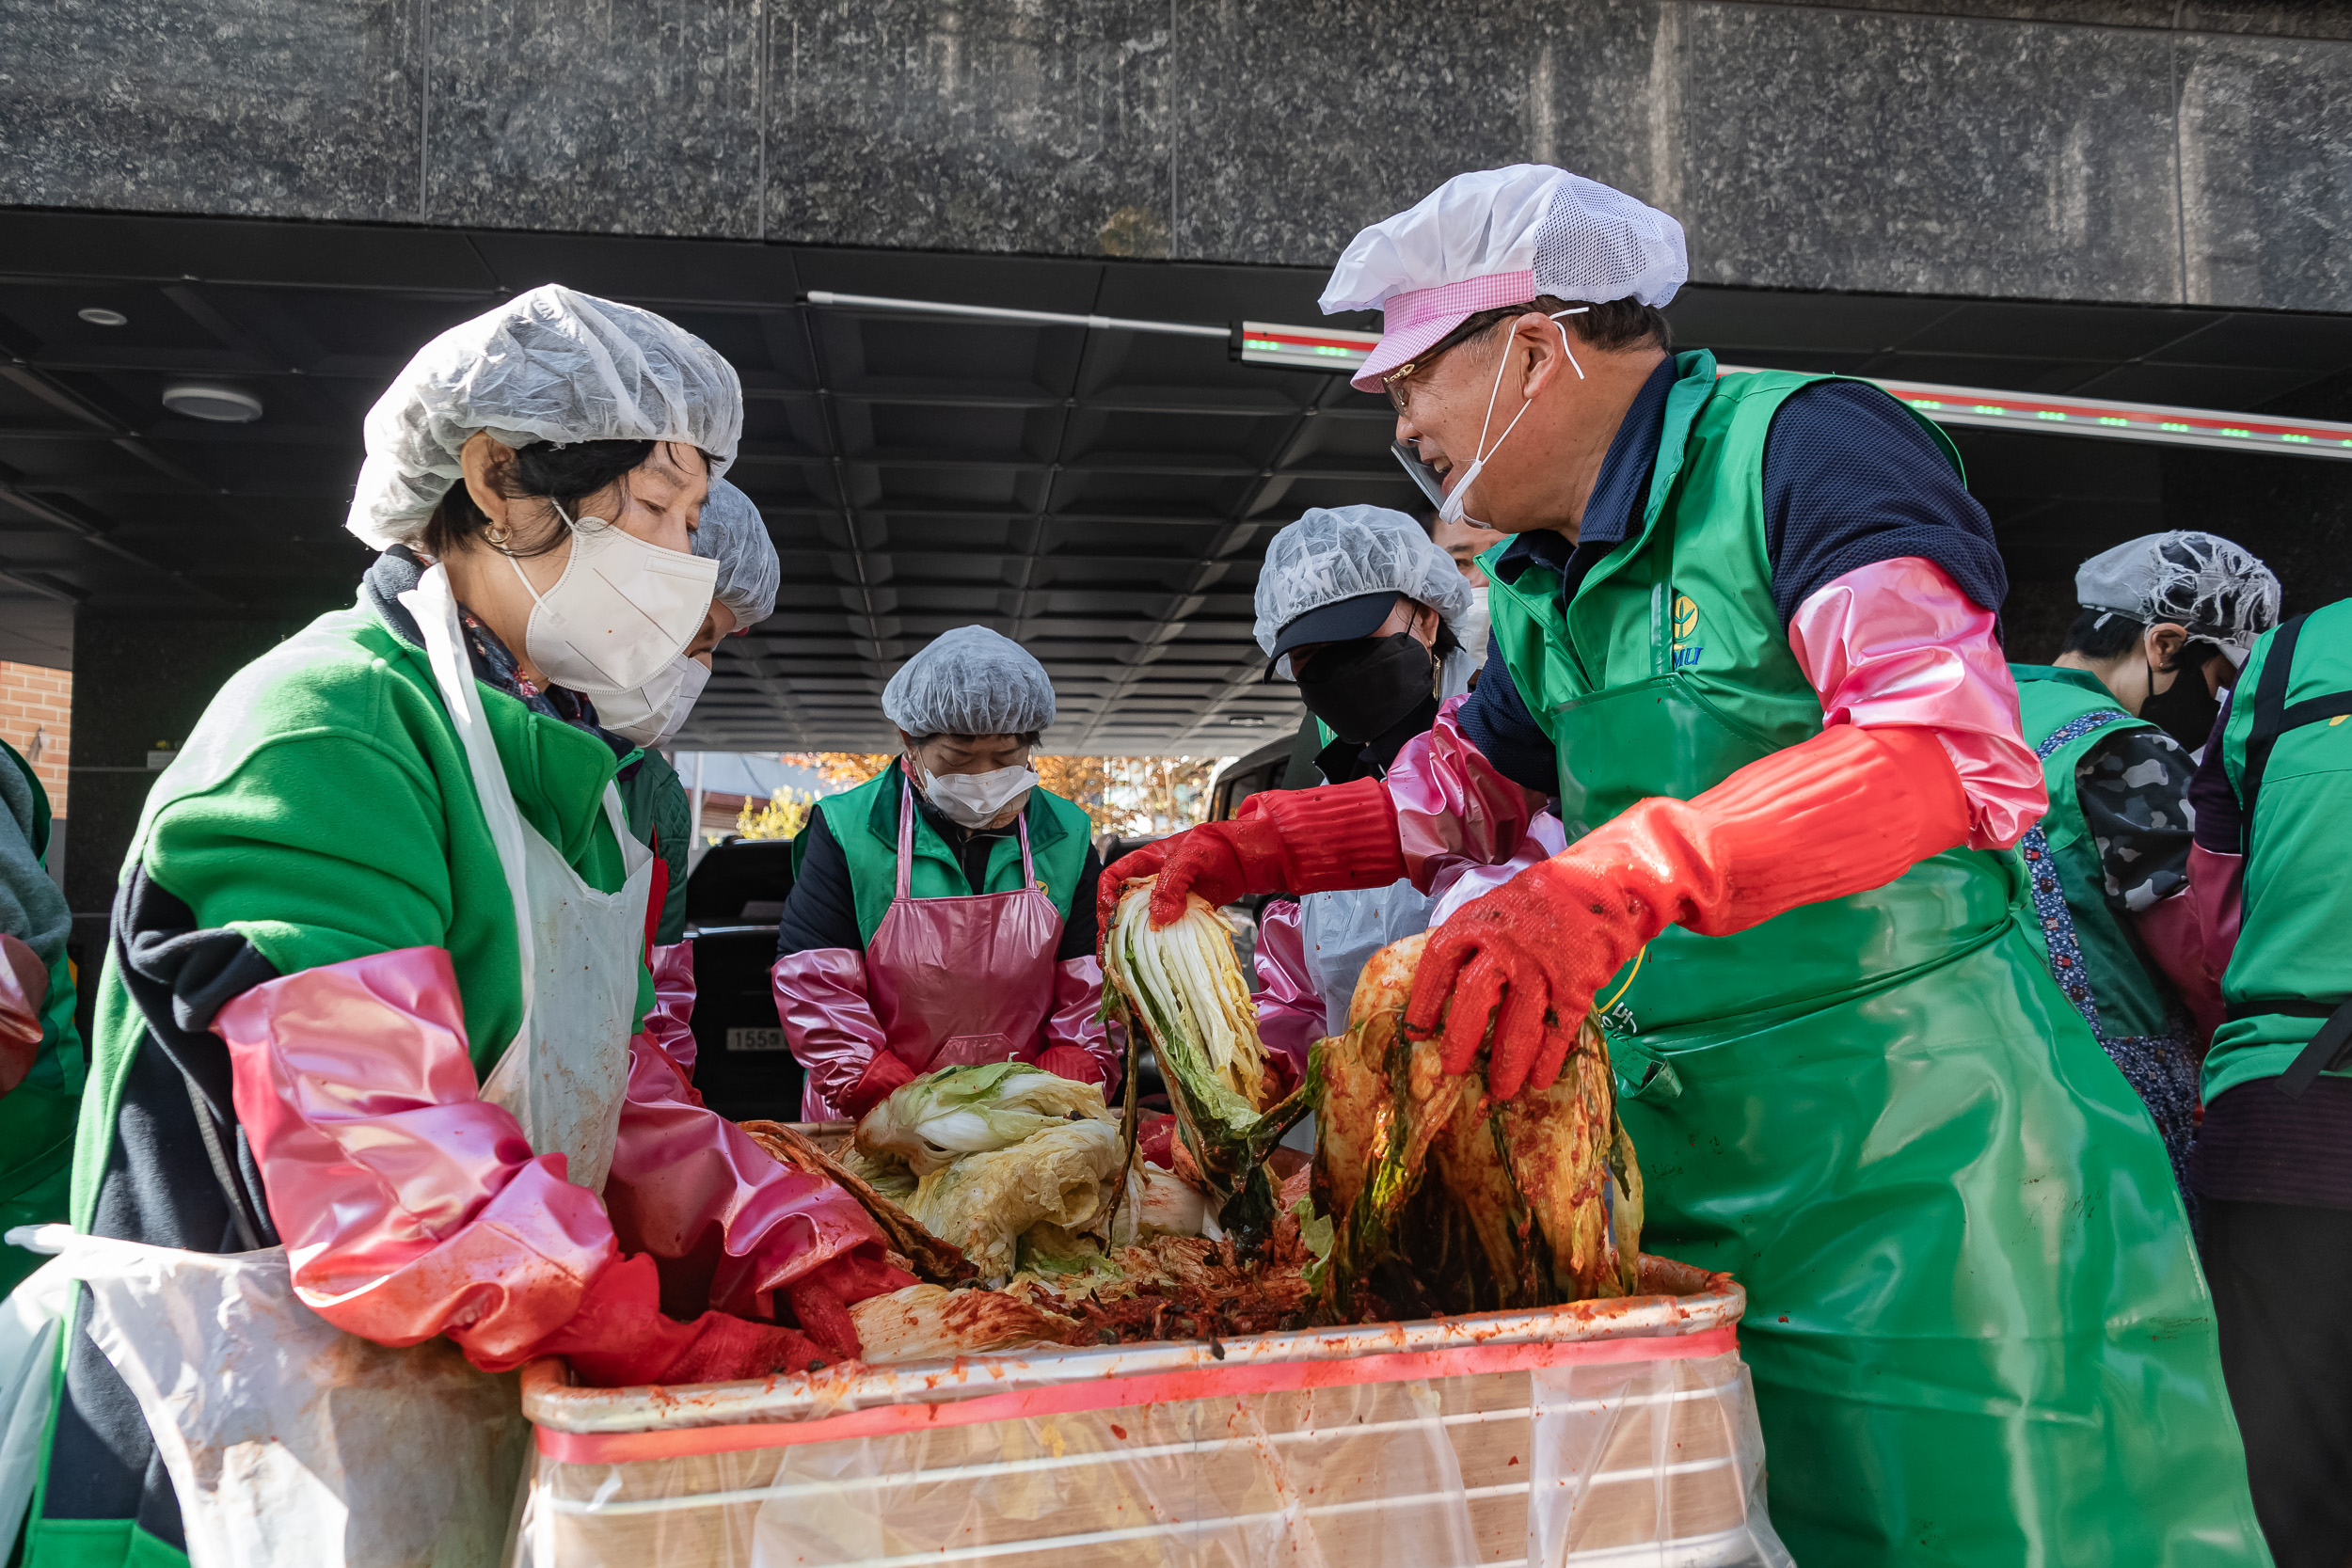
(1463, 881)
(2216, 881)
(2172, 932)
(693, 1189)
(1897, 643)
(672, 1020)
(408, 1206)
(829, 1022)
(1073, 1021)
(1290, 1012)
(1451, 802)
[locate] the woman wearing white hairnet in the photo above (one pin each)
(659, 813)
(377, 970)
(1360, 606)
(941, 911)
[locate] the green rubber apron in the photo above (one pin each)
(1976, 1325)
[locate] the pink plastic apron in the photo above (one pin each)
(959, 980)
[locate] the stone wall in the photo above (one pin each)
(2136, 150)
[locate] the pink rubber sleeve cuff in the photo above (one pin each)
(1897, 643)
(827, 1022)
(672, 1020)
(408, 1205)
(1073, 1022)
(1451, 803)
(2173, 935)
(2217, 882)
(1462, 880)
(1290, 1010)
(693, 1189)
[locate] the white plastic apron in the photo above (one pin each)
(290, 1442)
(564, 1074)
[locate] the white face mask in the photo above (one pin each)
(652, 714)
(973, 799)
(622, 609)
(1458, 497)
(1472, 632)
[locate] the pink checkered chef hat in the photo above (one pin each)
(1496, 237)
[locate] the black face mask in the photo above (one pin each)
(1363, 687)
(2185, 710)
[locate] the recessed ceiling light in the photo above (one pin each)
(1248, 721)
(97, 315)
(200, 400)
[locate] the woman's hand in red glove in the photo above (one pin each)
(1318, 840)
(823, 1297)
(619, 1338)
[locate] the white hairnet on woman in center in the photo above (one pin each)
(550, 365)
(970, 681)
(733, 534)
(1341, 553)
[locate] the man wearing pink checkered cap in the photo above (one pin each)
(1745, 637)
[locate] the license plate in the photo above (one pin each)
(756, 1039)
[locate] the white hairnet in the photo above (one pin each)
(970, 681)
(550, 365)
(733, 534)
(1339, 552)
(2219, 591)
(1496, 237)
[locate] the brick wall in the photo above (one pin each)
(36, 718)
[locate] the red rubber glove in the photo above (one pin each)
(1283, 841)
(1848, 810)
(619, 1338)
(821, 1299)
(884, 1073)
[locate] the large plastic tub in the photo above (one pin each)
(1602, 1432)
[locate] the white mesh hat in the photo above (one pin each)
(550, 365)
(1334, 554)
(1502, 236)
(733, 534)
(970, 681)
(2217, 590)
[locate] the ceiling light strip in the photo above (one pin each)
(1306, 348)
(2161, 424)
(994, 312)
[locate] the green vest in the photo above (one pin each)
(660, 814)
(1670, 670)
(323, 808)
(2291, 946)
(1976, 1324)
(865, 822)
(2106, 971)
(37, 1118)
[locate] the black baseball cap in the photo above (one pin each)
(1342, 621)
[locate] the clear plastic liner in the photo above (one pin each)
(1615, 1433)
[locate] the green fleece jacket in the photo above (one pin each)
(324, 810)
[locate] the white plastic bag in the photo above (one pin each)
(289, 1441)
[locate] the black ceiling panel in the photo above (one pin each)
(1102, 494)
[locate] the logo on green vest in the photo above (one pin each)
(1687, 648)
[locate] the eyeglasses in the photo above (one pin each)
(1397, 383)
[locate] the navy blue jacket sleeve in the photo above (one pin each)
(2220, 815)
(1850, 478)
(821, 911)
(1495, 717)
